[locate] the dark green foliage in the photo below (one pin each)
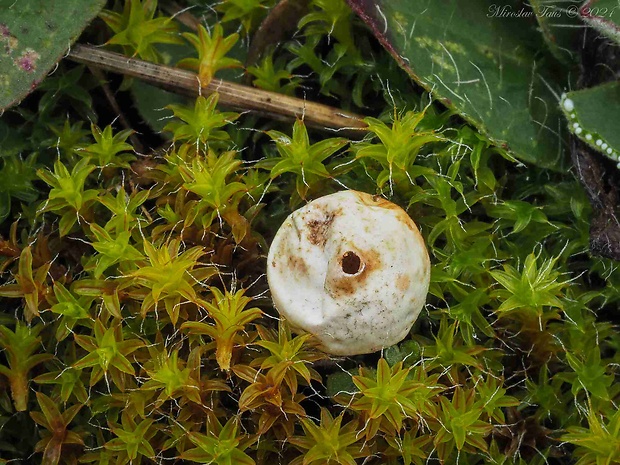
(487, 68)
(16, 176)
(503, 66)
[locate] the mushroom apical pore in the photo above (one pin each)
(352, 269)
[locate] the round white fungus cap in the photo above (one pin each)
(352, 269)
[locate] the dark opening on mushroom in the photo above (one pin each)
(351, 263)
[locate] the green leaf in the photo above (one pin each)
(35, 36)
(486, 67)
(340, 382)
(593, 116)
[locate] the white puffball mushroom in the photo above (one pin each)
(352, 269)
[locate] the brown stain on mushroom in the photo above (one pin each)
(297, 264)
(317, 229)
(344, 284)
(292, 259)
(376, 201)
(402, 282)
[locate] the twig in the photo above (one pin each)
(236, 96)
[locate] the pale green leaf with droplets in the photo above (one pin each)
(593, 116)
